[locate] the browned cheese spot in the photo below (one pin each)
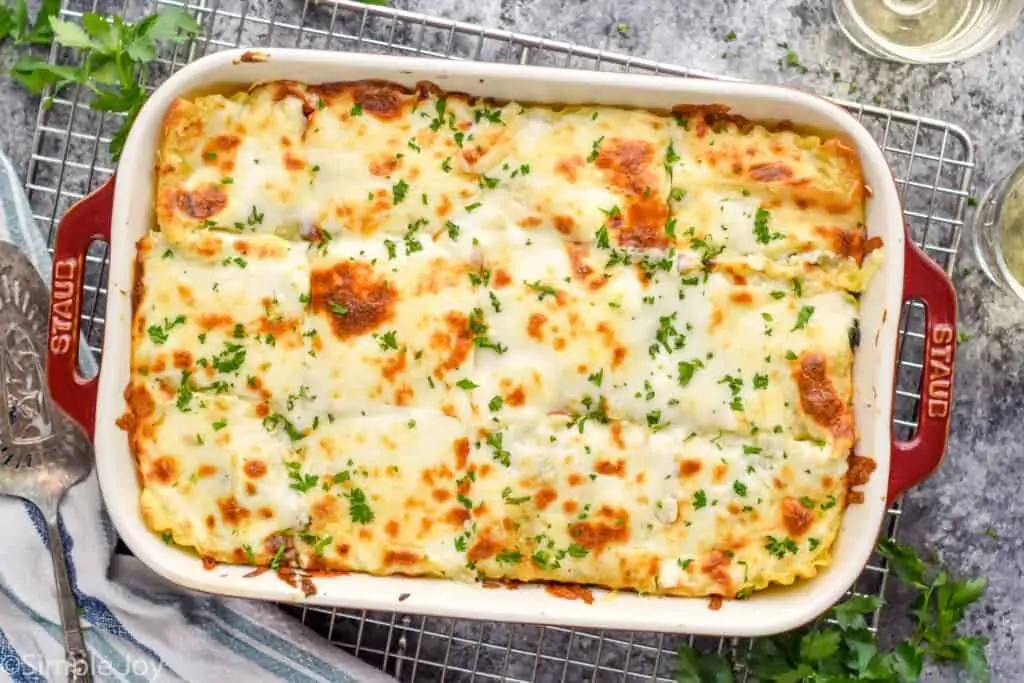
(795, 517)
(233, 513)
(204, 201)
(368, 301)
(819, 398)
(255, 468)
(608, 527)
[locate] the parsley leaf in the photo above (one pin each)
(803, 317)
(113, 56)
(542, 289)
(398, 192)
(358, 509)
(761, 232)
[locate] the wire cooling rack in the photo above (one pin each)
(931, 160)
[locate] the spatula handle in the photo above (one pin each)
(75, 652)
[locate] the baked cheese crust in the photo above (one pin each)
(396, 330)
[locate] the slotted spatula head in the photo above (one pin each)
(42, 452)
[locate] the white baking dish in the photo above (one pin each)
(906, 274)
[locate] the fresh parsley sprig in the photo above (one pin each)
(843, 649)
(112, 56)
(14, 23)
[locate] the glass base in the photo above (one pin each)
(925, 32)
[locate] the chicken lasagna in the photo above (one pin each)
(403, 331)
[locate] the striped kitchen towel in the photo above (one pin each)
(138, 627)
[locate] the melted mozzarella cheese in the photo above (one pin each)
(397, 330)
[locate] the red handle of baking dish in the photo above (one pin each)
(914, 460)
(86, 222)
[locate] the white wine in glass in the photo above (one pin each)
(924, 31)
(998, 232)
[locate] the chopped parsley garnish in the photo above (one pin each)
(478, 327)
(760, 381)
(602, 238)
(707, 249)
(596, 378)
(807, 502)
(576, 550)
(739, 487)
(829, 503)
(598, 412)
(509, 557)
(439, 109)
(168, 253)
(358, 509)
(683, 564)
(398, 192)
(670, 155)
(230, 359)
(237, 260)
(337, 309)
(541, 289)
(494, 440)
(250, 556)
(495, 304)
(700, 499)
(488, 182)
(453, 230)
(227, 181)
(595, 150)
(299, 481)
(356, 110)
(735, 386)
(184, 393)
(321, 544)
(470, 208)
(387, 340)
(275, 561)
(761, 231)
(778, 295)
(158, 333)
(686, 370)
(506, 495)
(654, 421)
(446, 165)
(390, 246)
(220, 424)
(274, 420)
(495, 404)
(492, 115)
(255, 217)
(667, 336)
(780, 546)
(481, 278)
(798, 286)
(803, 316)
(791, 355)
(751, 450)
(670, 227)
(412, 245)
(466, 384)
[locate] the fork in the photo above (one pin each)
(42, 452)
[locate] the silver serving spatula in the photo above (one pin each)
(42, 452)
